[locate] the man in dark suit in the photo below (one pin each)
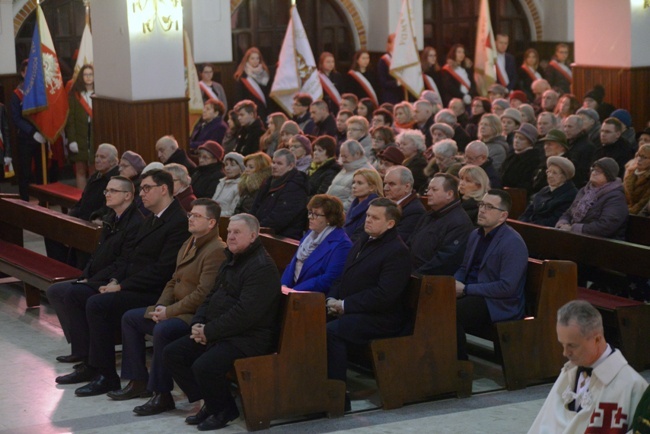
(506, 66)
(490, 283)
(325, 124)
(366, 303)
(137, 279)
(238, 319)
(398, 187)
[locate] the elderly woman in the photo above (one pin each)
(489, 132)
(209, 171)
(389, 157)
(518, 169)
(403, 116)
(554, 199)
(445, 159)
(227, 192)
(527, 114)
(366, 186)
(473, 185)
(599, 208)
(637, 180)
(510, 121)
(271, 137)
(211, 126)
(323, 167)
(288, 130)
(301, 148)
(258, 168)
(323, 250)
(411, 143)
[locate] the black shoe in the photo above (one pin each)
(135, 389)
(218, 421)
(199, 417)
(78, 365)
(162, 401)
(81, 375)
(69, 359)
(99, 386)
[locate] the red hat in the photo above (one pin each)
(392, 154)
(214, 148)
(518, 94)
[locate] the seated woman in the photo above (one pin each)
(271, 137)
(554, 199)
(227, 192)
(403, 116)
(637, 180)
(230, 139)
(473, 185)
(366, 186)
(518, 169)
(366, 107)
(258, 168)
(599, 208)
(288, 130)
(300, 147)
(209, 171)
(323, 167)
(211, 126)
(323, 250)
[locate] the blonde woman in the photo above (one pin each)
(366, 186)
(258, 168)
(473, 185)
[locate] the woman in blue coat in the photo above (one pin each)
(366, 186)
(323, 250)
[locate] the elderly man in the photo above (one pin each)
(239, 318)
(135, 279)
(538, 87)
(352, 159)
(549, 100)
(447, 116)
(121, 224)
(440, 131)
(613, 145)
(281, 203)
(357, 129)
(412, 144)
(252, 128)
(183, 191)
(424, 113)
(169, 152)
(591, 124)
(438, 241)
(581, 150)
(301, 115)
(490, 282)
(476, 154)
(197, 265)
(497, 91)
(506, 68)
(546, 121)
(457, 106)
(597, 391)
(558, 72)
(323, 119)
(398, 187)
(366, 303)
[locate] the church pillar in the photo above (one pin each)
(611, 38)
(139, 74)
(8, 77)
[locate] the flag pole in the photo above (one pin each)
(43, 154)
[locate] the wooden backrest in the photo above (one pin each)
(550, 285)
(75, 232)
(223, 227)
(519, 198)
(638, 230)
(281, 249)
(430, 293)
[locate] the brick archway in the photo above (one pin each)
(23, 13)
(531, 7)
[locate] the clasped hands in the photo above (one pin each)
(334, 307)
(198, 334)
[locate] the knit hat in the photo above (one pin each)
(556, 136)
(609, 166)
(446, 129)
(304, 141)
(504, 104)
(214, 148)
(134, 160)
(565, 165)
(518, 94)
(593, 114)
(497, 88)
(597, 94)
(291, 127)
(431, 96)
(392, 154)
(513, 114)
(623, 116)
(529, 132)
(151, 166)
(237, 158)
(528, 110)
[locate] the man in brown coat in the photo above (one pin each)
(197, 266)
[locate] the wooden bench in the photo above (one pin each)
(627, 322)
(56, 193)
(638, 230)
(36, 271)
(519, 198)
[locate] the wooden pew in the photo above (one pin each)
(628, 319)
(519, 198)
(36, 271)
(638, 230)
(292, 382)
(56, 193)
(281, 249)
(223, 227)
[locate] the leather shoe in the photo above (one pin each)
(71, 358)
(99, 386)
(199, 417)
(161, 401)
(80, 375)
(218, 421)
(135, 389)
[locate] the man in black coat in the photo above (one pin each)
(169, 152)
(139, 278)
(239, 318)
(252, 128)
(581, 150)
(323, 119)
(398, 187)
(281, 203)
(367, 301)
(613, 145)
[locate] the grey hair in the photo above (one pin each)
(415, 136)
(585, 316)
(178, 171)
(478, 146)
(550, 115)
(579, 121)
(112, 151)
(249, 220)
(405, 174)
(169, 142)
(425, 103)
(446, 147)
(354, 148)
(287, 154)
(447, 116)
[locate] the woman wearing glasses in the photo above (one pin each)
(366, 186)
(323, 250)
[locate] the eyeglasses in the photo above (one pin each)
(146, 188)
(113, 191)
(489, 206)
(354, 130)
(313, 215)
(196, 216)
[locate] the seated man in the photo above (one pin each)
(183, 191)
(398, 187)
(121, 225)
(197, 265)
(597, 391)
(490, 282)
(238, 319)
(136, 279)
(169, 152)
(439, 239)
(366, 303)
(281, 203)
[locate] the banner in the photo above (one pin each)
(85, 53)
(192, 87)
(486, 54)
(405, 64)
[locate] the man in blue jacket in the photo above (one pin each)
(490, 283)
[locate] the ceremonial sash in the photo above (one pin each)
(430, 84)
(458, 78)
(208, 91)
(501, 77)
(254, 88)
(84, 104)
(330, 88)
(561, 70)
(365, 84)
(20, 94)
(388, 59)
(532, 74)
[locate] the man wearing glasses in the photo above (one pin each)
(490, 282)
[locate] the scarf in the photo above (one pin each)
(311, 242)
(258, 74)
(585, 203)
(314, 166)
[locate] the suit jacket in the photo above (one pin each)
(151, 263)
(412, 210)
(502, 273)
(180, 157)
(322, 267)
(511, 70)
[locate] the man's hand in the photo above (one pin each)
(334, 307)
(460, 289)
(159, 314)
(198, 335)
(564, 227)
(286, 290)
(111, 287)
